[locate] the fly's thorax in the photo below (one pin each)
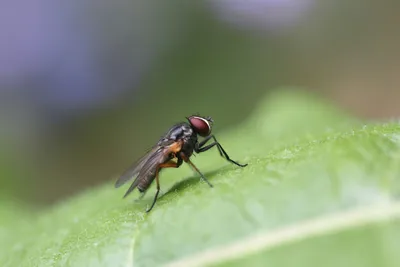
(182, 133)
(189, 144)
(178, 131)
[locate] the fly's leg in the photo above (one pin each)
(158, 191)
(169, 164)
(201, 147)
(187, 160)
(140, 197)
(201, 144)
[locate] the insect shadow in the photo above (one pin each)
(194, 179)
(185, 183)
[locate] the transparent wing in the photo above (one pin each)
(161, 156)
(134, 168)
(149, 169)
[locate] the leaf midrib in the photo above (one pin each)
(307, 229)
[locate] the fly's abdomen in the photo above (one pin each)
(149, 177)
(146, 181)
(150, 174)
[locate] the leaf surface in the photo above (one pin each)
(309, 163)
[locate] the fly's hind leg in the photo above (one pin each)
(168, 164)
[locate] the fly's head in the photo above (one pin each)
(201, 125)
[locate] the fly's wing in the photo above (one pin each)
(134, 168)
(138, 165)
(149, 169)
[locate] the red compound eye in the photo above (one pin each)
(200, 125)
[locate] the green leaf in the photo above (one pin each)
(321, 188)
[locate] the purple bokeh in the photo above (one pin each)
(76, 55)
(271, 15)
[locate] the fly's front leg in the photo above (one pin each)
(202, 143)
(201, 147)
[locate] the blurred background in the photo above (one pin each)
(87, 86)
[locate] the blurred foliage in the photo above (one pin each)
(204, 75)
(306, 160)
(176, 62)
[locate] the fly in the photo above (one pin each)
(174, 148)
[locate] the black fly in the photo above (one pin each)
(178, 143)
